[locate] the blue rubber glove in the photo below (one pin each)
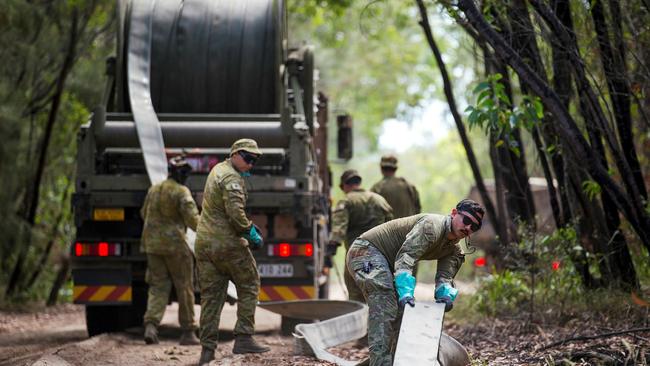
(254, 238)
(405, 285)
(446, 294)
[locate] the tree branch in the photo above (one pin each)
(602, 335)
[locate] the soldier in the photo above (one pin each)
(223, 241)
(358, 212)
(400, 194)
(382, 261)
(168, 211)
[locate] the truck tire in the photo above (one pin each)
(106, 319)
(324, 290)
(288, 324)
(138, 305)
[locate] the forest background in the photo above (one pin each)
(463, 92)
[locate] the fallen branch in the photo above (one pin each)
(603, 335)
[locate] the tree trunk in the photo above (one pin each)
(59, 281)
(448, 89)
(523, 39)
(53, 237)
(68, 61)
(613, 60)
(567, 127)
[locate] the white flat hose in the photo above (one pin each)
(138, 73)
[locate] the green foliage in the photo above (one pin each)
(495, 113)
(591, 189)
(555, 280)
(373, 60)
(501, 293)
(38, 35)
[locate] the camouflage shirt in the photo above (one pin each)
(168, 211)
(224, 199)
(411, 239)
(401, 195)
(358, 212)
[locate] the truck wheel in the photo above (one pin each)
(138, 305)
(324, 290)
(105, 319)
(288, 324)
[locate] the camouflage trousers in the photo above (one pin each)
(162, 272)
(218, 264)
(354, 292)
(374, 278)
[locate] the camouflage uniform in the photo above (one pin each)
(397, 246)
(222, 254)
(167, 212)
(358, 212)
(401, 195)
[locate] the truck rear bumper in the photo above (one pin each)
(102, 286)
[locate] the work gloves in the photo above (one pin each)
(254, 238)
(405, 285)
(330, 252)
(446, 294)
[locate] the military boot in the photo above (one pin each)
(188, 338)
(207, 355)
(150, 334)
(246, 344)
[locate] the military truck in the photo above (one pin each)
(207, 73)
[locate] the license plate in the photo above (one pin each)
(275, 270)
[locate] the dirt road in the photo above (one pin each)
(57, 336)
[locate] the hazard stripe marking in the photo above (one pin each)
(273, 295)
(83, 294)
(102, 293)
(278, 293)
(117, 293)
(286, 293)
(301, 293)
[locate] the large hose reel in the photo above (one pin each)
(210, 56)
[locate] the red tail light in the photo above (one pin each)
(290, 250)
(284, 249)
(480, 262)
(101, 249)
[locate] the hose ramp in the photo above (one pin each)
(339, 322)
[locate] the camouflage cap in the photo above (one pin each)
(248, 145)
(348, 175)
(388, 161)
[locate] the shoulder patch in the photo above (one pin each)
(234, 186)
(340, 206)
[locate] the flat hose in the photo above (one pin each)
(146, 121)
(340, 322)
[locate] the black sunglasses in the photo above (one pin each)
(248, 157)
(468, 221)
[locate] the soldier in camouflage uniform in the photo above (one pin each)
(224, 239)
(358, 212)
(168, 211)
(382, 261)
(401, 195)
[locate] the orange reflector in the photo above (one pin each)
(108, 214)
